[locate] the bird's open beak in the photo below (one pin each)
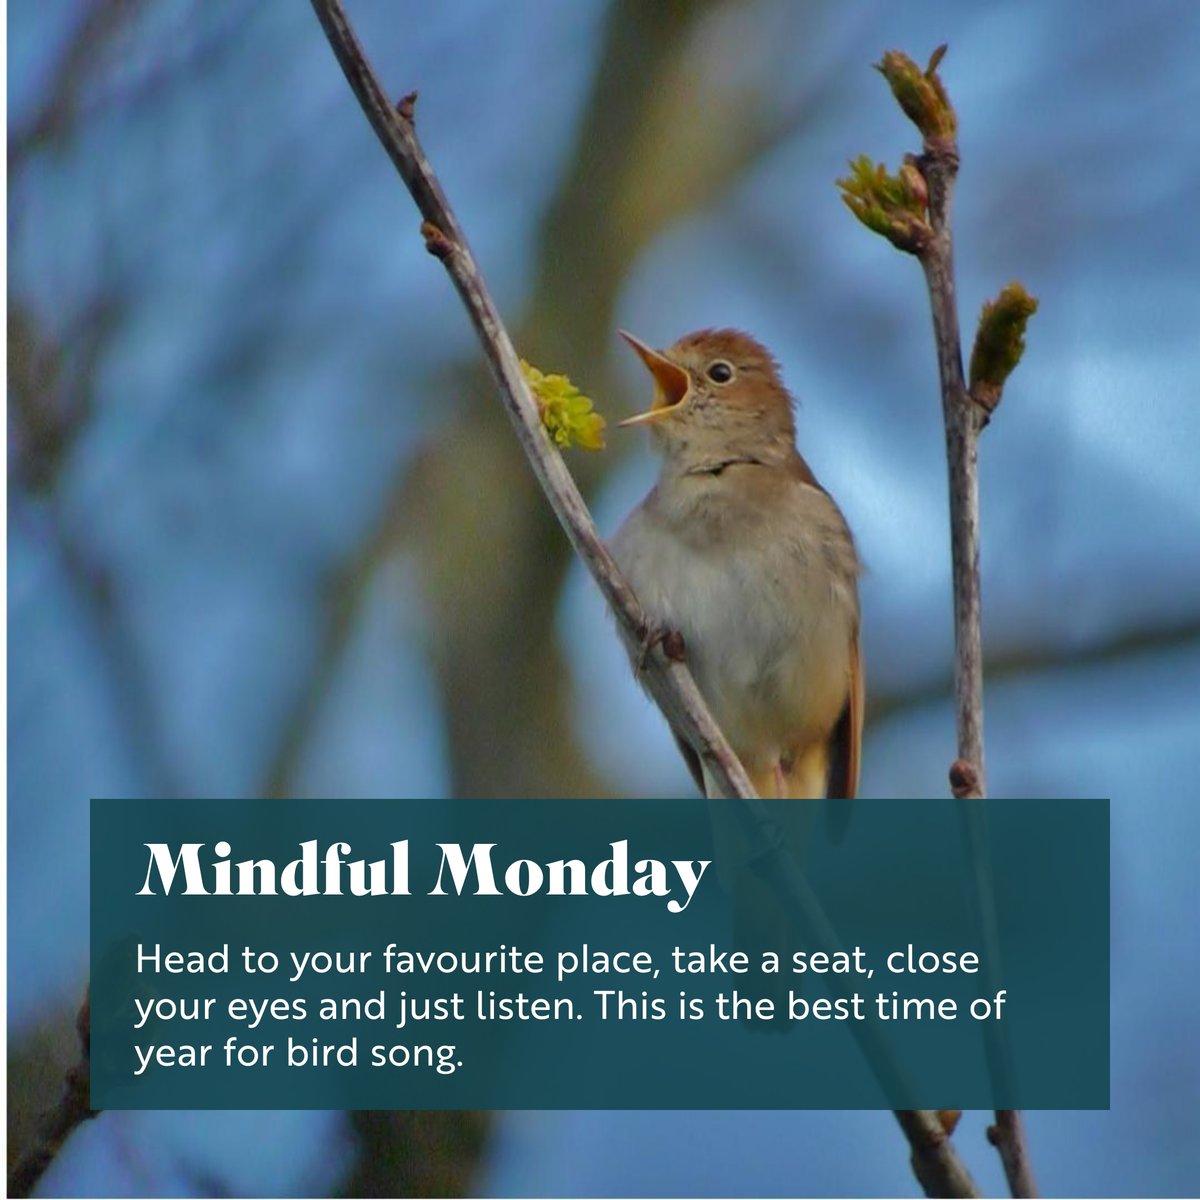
(671, 383)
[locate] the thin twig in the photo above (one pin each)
(1017, 665)
(1008, 1136)
(669, 681)
(938, 1169)
(71, 1111)
(964, 418)
(935, 1163)
(963, 421)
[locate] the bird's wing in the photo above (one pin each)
(845, 746)
(693, 763)
(843, 752)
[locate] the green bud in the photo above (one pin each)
(893, 206)
(921, 94)
(566, 412)
(999, 342)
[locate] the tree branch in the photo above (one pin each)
(1008, 1136)
(935, 1163)
(668, 680)
(488, 613)
(60, 1122)
(100, 24)
(1018, 664)
(964, 419)
(938, 1169)
(912, 210)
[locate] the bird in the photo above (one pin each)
(741, 552)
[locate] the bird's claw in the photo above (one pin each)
(671, 641)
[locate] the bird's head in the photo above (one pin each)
(717, 392)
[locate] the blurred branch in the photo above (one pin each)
(343, 602)
(1021, 662)
(58, 1124)
(494, 569)
(912, 209)
(50, 386)
(135, 694)
(45, 428)
(102, 21)
(417, 1153)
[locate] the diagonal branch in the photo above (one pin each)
(488, 622)
(667, 678)
(100, 24)
(668, 681)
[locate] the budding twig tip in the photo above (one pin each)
(894, 206)
(922, 95)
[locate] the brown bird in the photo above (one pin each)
(741, 550)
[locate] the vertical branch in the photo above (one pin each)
(963, 421)
(1008, 1136)
(912, 209)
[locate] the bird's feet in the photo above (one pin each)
(671, 641)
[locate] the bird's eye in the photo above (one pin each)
(720, 371)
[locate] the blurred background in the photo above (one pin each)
(269, 532)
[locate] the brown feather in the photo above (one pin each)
(846, 740)
(693, 762)
(846, 752)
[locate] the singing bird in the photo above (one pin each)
(740, 550)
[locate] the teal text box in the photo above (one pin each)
(899, 891)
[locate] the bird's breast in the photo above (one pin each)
(767, 614)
